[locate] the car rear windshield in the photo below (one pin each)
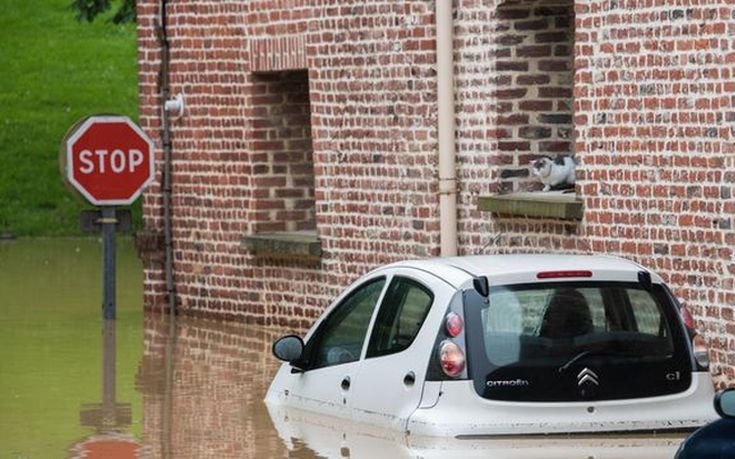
(530, 342)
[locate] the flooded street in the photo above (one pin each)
(73, 386)
(51, 343)
(52, 366)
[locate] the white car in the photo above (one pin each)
(506, 344)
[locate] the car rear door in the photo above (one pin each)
(391, 376)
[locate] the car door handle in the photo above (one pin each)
(409, 379)
(345, 385)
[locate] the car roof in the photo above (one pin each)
(523, 268)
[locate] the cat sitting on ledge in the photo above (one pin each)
(557, 173)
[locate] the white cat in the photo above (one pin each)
(554, 172)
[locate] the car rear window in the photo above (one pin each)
(552, 331)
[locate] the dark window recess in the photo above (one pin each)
(402, 312)
(340, 337)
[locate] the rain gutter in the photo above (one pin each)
(166, 140)
(167, 419)
(446, 128)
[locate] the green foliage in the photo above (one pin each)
(88, 10)
(54, 72)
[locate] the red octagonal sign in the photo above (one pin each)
(109, 160)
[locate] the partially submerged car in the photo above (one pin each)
(504, 344)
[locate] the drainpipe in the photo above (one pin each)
(166, 139)
(168, 396)
(445, 108)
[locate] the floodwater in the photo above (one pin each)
(74, 386)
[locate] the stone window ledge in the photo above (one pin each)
(293, 245)
(550, 204)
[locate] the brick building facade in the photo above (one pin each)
(307, 154)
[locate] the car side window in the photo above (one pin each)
(402, 312)
(340, 337)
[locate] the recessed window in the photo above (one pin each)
(282, 153)
(535, 71)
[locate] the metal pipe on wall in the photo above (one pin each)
(446, 128)
(167, 419)
(166, 140)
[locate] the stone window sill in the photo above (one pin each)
(550, 204)
(296, 245)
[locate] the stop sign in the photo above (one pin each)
(109, 160)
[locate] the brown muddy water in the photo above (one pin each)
(144, 386)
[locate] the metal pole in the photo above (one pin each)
(109, 221)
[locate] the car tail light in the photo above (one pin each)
(686, 316)
(701, 354)
(699, 345)
(562, 274)
(451, 358)
(454, 324)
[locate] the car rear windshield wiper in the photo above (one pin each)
(599, 352)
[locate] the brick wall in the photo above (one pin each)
(371, 88)
(652, 121)
(654, 107)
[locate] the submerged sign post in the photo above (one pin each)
(109, 160)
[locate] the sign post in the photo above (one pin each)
(108, 221)
(109, 160)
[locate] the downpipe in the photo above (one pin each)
(446, 128)
(166, 140)
(167, 419)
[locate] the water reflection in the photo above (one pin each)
(109, 418)
(203, 384)
(51, 343)
(334, 438)
(109, 415)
